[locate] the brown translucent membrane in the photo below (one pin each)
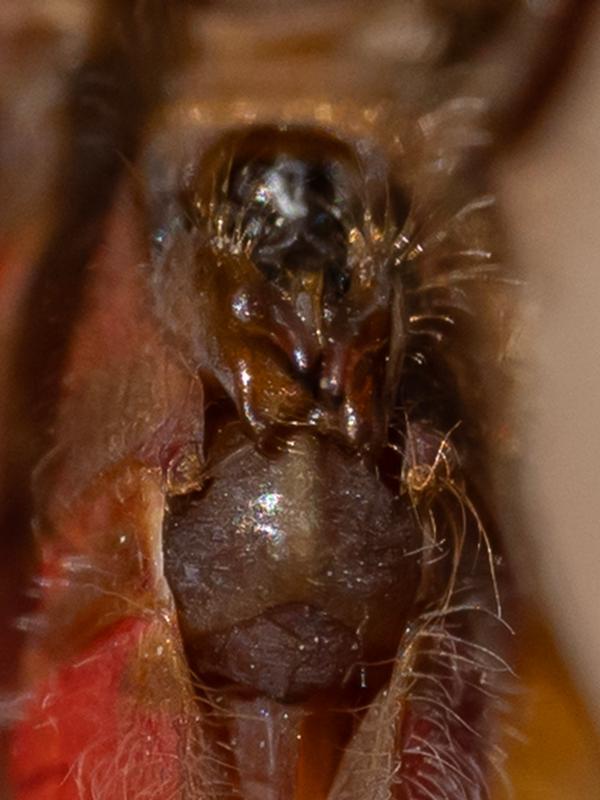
(289, 569)
(304, 589)
(295, 572)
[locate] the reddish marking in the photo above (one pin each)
(79, 710)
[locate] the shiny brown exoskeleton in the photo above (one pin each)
(262, 483)
(284, 289)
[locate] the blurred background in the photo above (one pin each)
(550, 195)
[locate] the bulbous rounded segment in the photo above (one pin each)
(284, 547)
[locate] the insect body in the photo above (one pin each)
(269, 565)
